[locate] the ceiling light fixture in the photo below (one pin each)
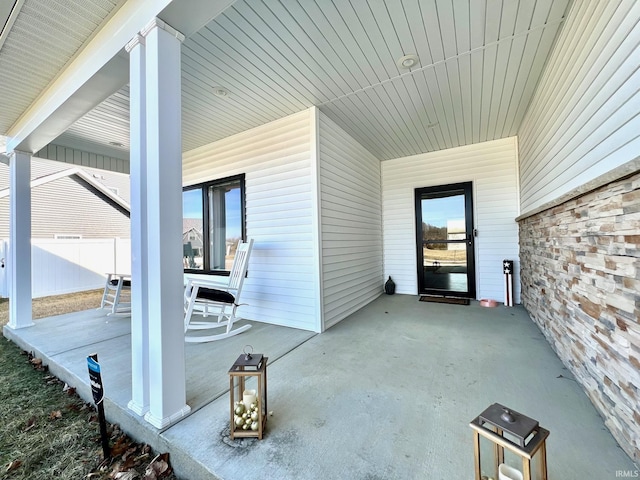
(116, 144)
(408, 62)
(220, 92)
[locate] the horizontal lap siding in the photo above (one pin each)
(281, 287)
(66, 207)
(584, 119)
(351, 223)
(491, 166)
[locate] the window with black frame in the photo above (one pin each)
(212, 224)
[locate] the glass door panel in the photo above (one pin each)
(445, 241)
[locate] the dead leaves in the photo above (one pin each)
(13, 465)
(158, 468)
(71, 391)
(130, 459)
(56, 414)
(30, 424)
(36, 362)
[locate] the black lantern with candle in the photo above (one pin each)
(506, 428)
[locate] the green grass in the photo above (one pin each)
(46, 431)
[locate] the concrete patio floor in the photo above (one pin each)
(388, 393)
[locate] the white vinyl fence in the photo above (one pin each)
(69, 265)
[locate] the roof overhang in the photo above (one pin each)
(102, 68)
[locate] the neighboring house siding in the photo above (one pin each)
(351, 223)
(491, 166)
(583, 120)
(65, 206)
(282, 286)
(82, 158)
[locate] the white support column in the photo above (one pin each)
(167, 379)
(20, 312)
(139, 402)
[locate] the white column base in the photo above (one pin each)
(18, 327)
(138, 409)
(161, 423)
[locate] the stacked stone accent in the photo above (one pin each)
(580, 276)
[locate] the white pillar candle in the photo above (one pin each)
(505, 472)
(248, 397)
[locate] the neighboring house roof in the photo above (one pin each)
(191, 224)
(84, 176)
(71, 199)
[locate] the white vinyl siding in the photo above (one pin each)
(583, 120)
(492, 167)
(282, 283)
(351, 223)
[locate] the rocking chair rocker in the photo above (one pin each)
(216, 299)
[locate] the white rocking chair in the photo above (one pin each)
(218, 299)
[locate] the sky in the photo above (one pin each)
(436, 211)
(192, 208)
(192, 204)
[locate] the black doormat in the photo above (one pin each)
(453, 300)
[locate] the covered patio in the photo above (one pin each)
(387, 393)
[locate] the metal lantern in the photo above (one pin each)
(248, 407)
(506, 428)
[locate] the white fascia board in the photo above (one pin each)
(8, 13)
(108, 80)
(111, 39)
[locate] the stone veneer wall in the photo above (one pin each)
(580, 266)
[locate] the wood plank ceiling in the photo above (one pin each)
(479, 64)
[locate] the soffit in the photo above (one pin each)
(480, 62)
(44, 36)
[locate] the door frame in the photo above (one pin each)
(467, 188)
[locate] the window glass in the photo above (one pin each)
(213, 212)
(192, 229)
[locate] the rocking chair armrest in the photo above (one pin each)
(217, 282)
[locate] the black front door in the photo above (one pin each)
(445, 238)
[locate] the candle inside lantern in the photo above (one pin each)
(248, 397)
(505, 472)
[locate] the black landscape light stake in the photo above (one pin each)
(97, 389)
